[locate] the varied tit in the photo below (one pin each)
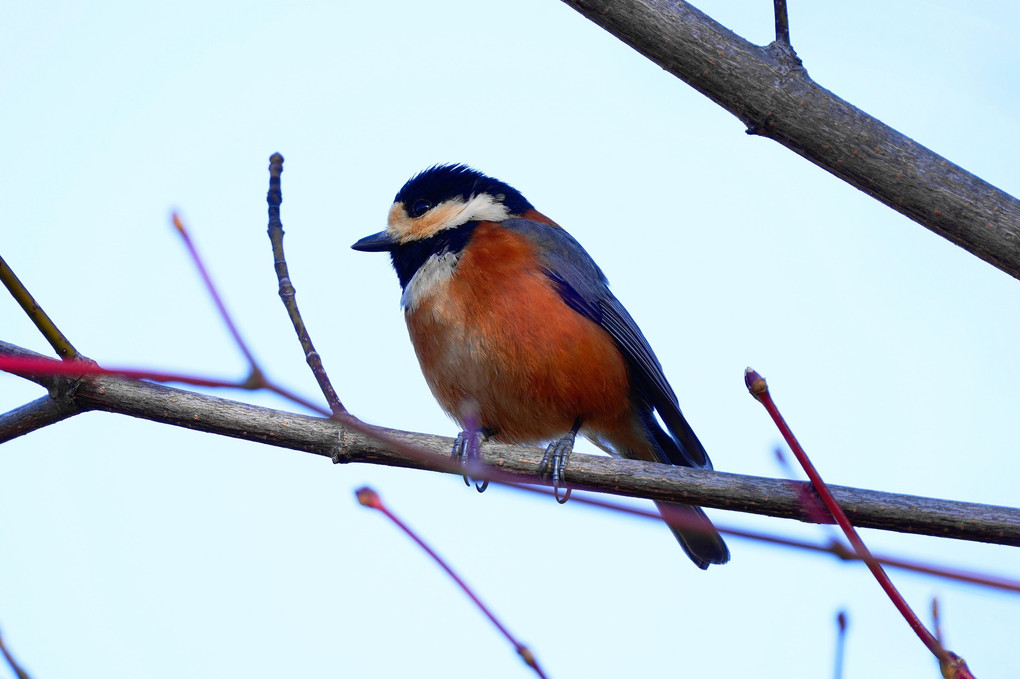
(508, 313)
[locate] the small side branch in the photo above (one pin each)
(46, 326)
(287, 292)
(782, 22)
(758, 388)
(18, 671)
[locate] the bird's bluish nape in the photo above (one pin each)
(507, 313)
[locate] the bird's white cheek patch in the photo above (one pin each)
(431, 278)
(482, 207)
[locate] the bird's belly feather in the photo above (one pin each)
(506, 342)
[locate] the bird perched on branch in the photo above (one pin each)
(508, 313)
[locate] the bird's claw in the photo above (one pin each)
(555, 461)
(465, 448)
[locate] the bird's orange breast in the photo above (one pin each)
(496, 333)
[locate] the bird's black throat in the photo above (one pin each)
(409, 257)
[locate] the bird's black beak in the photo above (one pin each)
(377, 242)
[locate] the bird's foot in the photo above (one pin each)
(465, 449)
(555, 461)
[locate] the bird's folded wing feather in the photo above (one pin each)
(584, 288)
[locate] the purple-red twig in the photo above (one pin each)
(24, 365)
(759, 389)
(214, 293)
(809, 500)
(370, 498)
(837, 549)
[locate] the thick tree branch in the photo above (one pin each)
(770, 497)
(768, 89)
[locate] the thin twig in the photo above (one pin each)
(287, 292)
(782, 22)
(21, 674)
(369, 498)
(837, 549)
(255, 379)
(46, 326)
(40, 369)
(956, 668)
(809, 499)
(759, 389)
(936, 621)
(840, 644)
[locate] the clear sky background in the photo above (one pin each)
(131, 549)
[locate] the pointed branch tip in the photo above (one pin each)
(368, 497)
(755, 383)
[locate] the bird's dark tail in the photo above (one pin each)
(698, 536)
(680, 446)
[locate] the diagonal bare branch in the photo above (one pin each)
(770, 91)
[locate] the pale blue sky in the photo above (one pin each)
(134, 549)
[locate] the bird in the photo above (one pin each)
(507, 312)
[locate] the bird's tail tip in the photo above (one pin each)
(696, 534)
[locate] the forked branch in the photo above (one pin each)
(768, 89)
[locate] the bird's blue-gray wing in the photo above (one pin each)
(584, 288)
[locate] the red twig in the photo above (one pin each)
(956, 668)
(808, 499)
(936, 619)
(214, 293)
(834, 548)
(370, 498)
(24, 365)
(759, 389)
(257, 378)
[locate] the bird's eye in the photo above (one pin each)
(420, 207)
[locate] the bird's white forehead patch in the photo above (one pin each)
(429, 279)
(447, 215)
